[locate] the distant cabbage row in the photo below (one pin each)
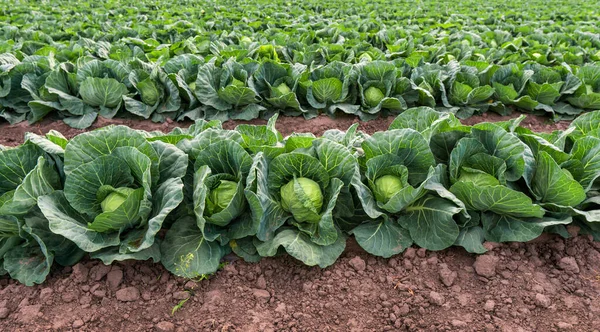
(428, 181)
(247, 59)
(189, 86)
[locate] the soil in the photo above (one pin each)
(549, 284)
(11, 135)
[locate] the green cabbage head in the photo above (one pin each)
(281, 90)
(115, 199)
(238, 83)
(387, 186)
(302, 197)
(373, 96)
(220, 197)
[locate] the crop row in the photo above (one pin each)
(189, 86)
(306, 32)
(427, 180)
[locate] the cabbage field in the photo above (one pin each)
(209, 178)
(236, 60)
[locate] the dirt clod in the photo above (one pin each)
(165, 326)
(261, 294)
(542, 300)
(563, 326)
(46, 293)
(489, 305)
(114, 278)
(181, 295)
(447, 276)
(4, 312)
(569, 264)
(261, 283)
(436, 298)
(78, 323)
(358, 263)
(99, 271)
(80, 273)
(485, 265)
(128, 294)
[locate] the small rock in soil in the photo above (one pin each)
(542, 300)
(569, 264)
(410, 253)
(80, 273)
(403, 310)
(114, 278)
(358, 264)
(489, 305)
(458, 323)
(261, 283)
(128, 294)
(436, 298)
(485, 265)
(4, 312)
(564, 326)
(69, 296)
(181, 295)
(261, 294)
(447, 276)
(29, 313)
(165, 326)
(99, 271)
(45, 293)
(77, 324)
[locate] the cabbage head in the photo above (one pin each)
(302, 197)
(220, 197)
(385, 187)
(281, 90)
(115, 199)
(373, 96)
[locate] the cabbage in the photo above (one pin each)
(238, 83)
(373, 96)
(387, 186)
(268, 52)
(281, 90)
(115, 199)
(304, 207)
(220, 197)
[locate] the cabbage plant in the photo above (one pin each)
(467, 92)
(89, 89)
(118, 190)
(491, 170)
(277, 83)
(587, 95)
(376, 86)
(331, 87)
(403, 194)
(223, 89)
(156, 96)
(218, 200)
(299, 194)
(27, 246)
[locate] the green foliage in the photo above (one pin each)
(249, 190)
(248, 59)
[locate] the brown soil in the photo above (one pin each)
(11, 135)
(550, 284)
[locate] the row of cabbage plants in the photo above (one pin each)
(192, 87)
(189, 197)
